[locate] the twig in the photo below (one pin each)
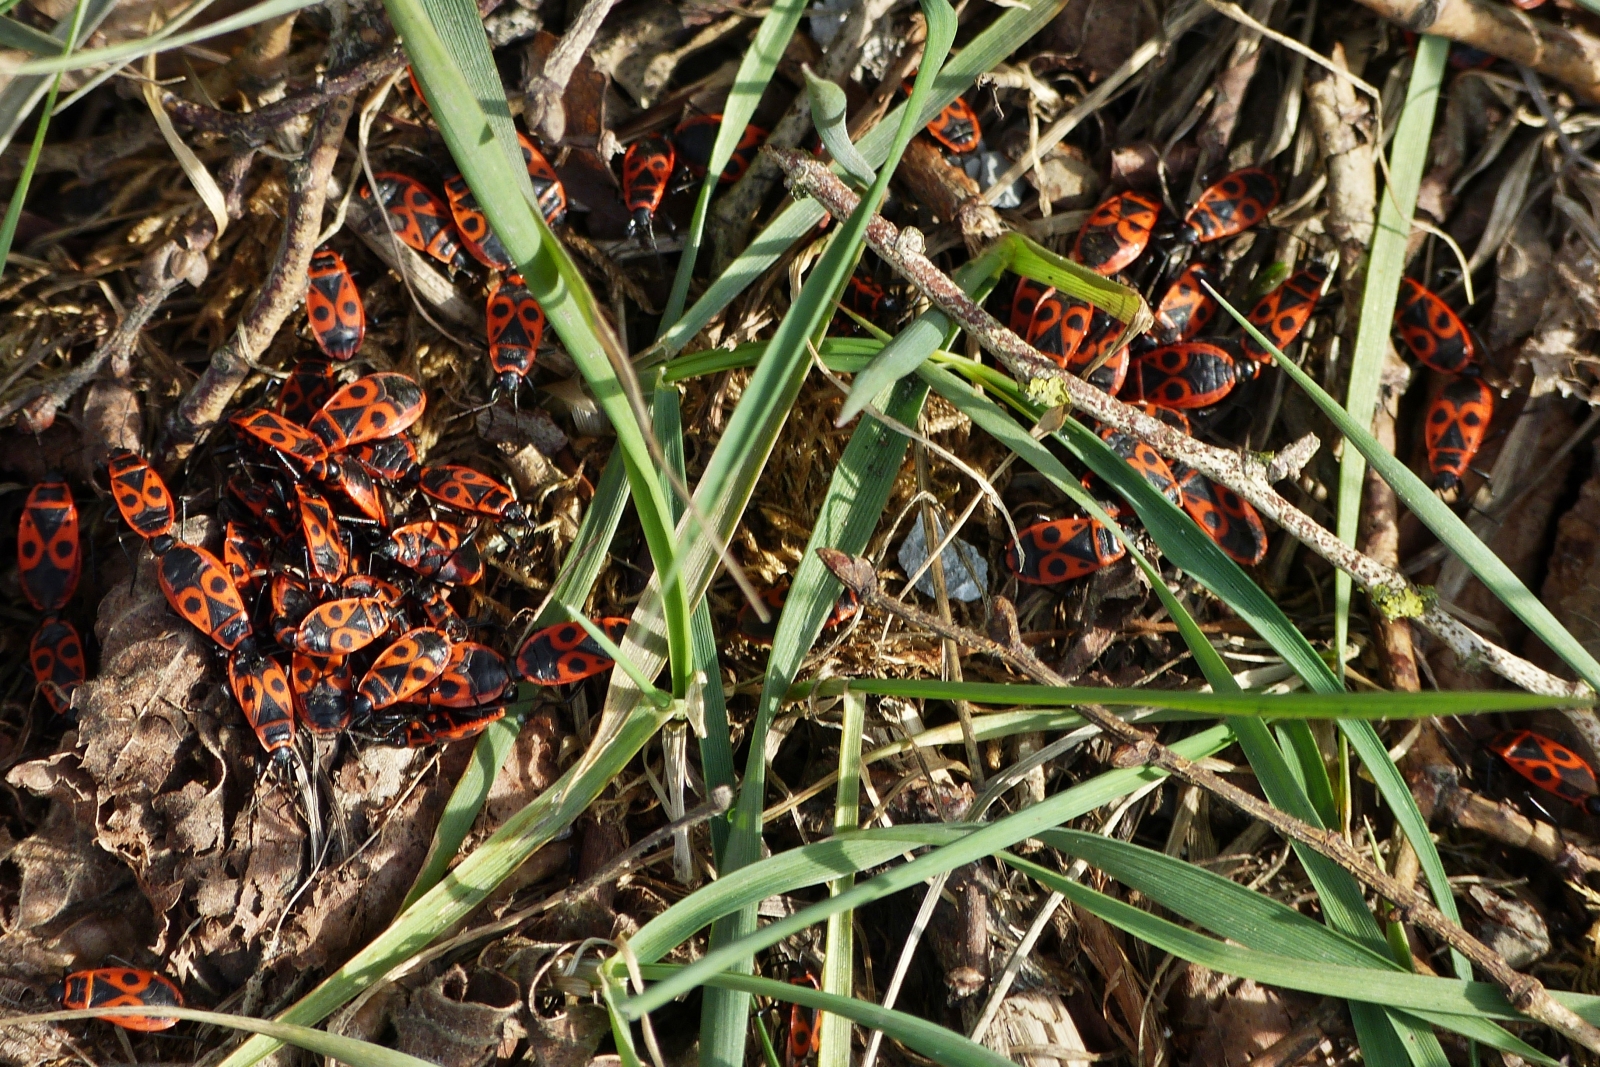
(280, 293)
(543, 89)
(1140, 747)
(257, 127)
(1567, 54)
(1245, 475)
(163, 270)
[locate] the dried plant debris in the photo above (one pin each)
(292, 472)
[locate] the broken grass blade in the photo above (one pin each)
(829, 108)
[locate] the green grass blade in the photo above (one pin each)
(450, 57)
(20, 35)
(716, 747)
(1445, 524)
(1385, 265)
(585, 559)
(838, 961)
(466, 886)
(763, 411)
(755, 71)
(1396, 989)
(1014, 26)
(163, 40)
(917, 342)
(930, 1039)
(334, 1046)
(19, 193)
(1028, 822)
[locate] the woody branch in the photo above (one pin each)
(1244, 474)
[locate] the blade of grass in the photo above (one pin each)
(716, 746)
(166, 39)
(20, 35)
(24, 91)
(755, 71)
(1270, 706)
(334, 1046)
(1252, 919)
(1385, 265)
(19, 193)
(763, 410)
(838, 960)
(930, 1039)
(450, 57)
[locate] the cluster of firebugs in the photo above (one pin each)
(1175, 371)
(311, 638)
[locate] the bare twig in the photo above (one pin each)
(257, 127)
(543, 89)
(1140, 747)
(1565, 53)
(280, 293)
(1244, 474)
(171, 264)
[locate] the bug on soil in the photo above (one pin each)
(1551, 766)
(120, 987)
(1455, 427)
(333, 305)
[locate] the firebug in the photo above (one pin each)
(565, 653)
(1232, 205)
(120, 987)
(1116, 233)
(646, 169)
(1457, 422)
(1058, 551)
(48, 556)
(1551, 766)
(333, 304)
(516, 328)
(1432, 332)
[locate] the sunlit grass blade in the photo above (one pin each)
(1398, 989)
(838, 960)
(755, 71)
(1385, 265)
(755, 422)
(1269, 706)
(334, 1046)
(1013, 27)
(450, 56)
(1445, 523)
(166, 39)
(466, 886)
(683, 919)
(1252, 919)
(716, 745)
(928, 1038)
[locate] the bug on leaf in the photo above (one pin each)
(49, 559)
(565, 653)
